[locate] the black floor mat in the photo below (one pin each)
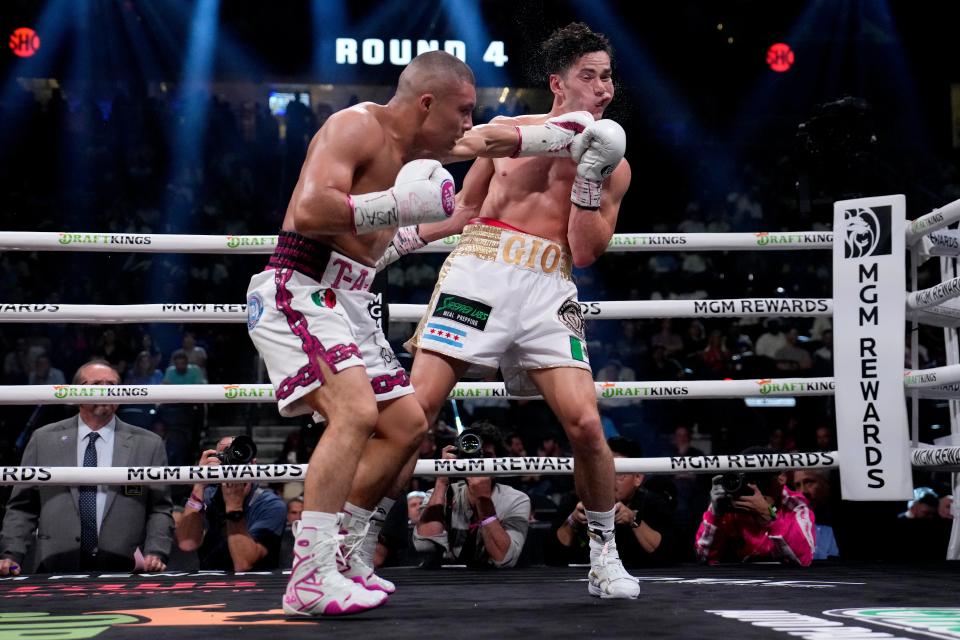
(744, 601)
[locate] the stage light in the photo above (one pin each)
(24, 42)
(780, 57)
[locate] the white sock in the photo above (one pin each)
(369, 547)
(323, 523)
(600, 528)
(354, 518)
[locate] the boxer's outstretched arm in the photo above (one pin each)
(469, 201)
(521, 137)
(494, 140)
(321, 204)
(589, 231)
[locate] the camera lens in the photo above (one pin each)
(469, 444)
(732, 482)
(241, 451)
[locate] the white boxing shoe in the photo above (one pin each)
(316, 587)
(354, 566)
(608, 578)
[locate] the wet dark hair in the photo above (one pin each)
(567, 44)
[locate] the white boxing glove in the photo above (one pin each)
(597, 153)
(553, 137)
(406, 241)
(422, 192)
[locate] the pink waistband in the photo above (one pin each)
(493, 222)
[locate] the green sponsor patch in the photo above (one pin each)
(578, 350)
(471, 313)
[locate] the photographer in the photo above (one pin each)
(476, 521)
(644, 522)
(233, 526)
(755, 517)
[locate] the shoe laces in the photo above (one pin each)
(351, 542)
(604, 557)
(320, 544)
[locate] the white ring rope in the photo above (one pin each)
(933, 377)
(936, 380)
(181, 243)
(621, 242)
(933, 221)
(236, 313)
(935, 457)
(224, 393)
(933, 296)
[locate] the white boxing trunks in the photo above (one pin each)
(313, 303)
(505, 298)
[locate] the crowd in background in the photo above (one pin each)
(102, 166)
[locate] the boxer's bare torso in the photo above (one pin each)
(532, 194)
(375, 156)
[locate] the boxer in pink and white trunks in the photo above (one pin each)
(371, 170)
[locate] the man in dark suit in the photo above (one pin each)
(90, 527)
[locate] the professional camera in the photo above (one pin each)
(241, 451)
(480, 435)
(737, 485)
(469, 444)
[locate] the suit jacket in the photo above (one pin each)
(134, 515)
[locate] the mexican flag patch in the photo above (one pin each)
(578, 349)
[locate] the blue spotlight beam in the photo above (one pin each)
(189, 134)
(329, 20)
(468, 25)
(194, 84)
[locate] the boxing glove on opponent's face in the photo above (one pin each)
(422, 192)
(597, 152)
(554, 137)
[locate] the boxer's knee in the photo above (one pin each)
(585, 433)
(358, 417)
(417, 431)
(364, 416)
(402, 422)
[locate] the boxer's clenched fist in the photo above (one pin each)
(423, 192)
(552, 138)
(597, 152)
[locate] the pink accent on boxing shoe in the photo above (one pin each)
(316, 587)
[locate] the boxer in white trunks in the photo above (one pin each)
(505, 295)
(369, 170)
